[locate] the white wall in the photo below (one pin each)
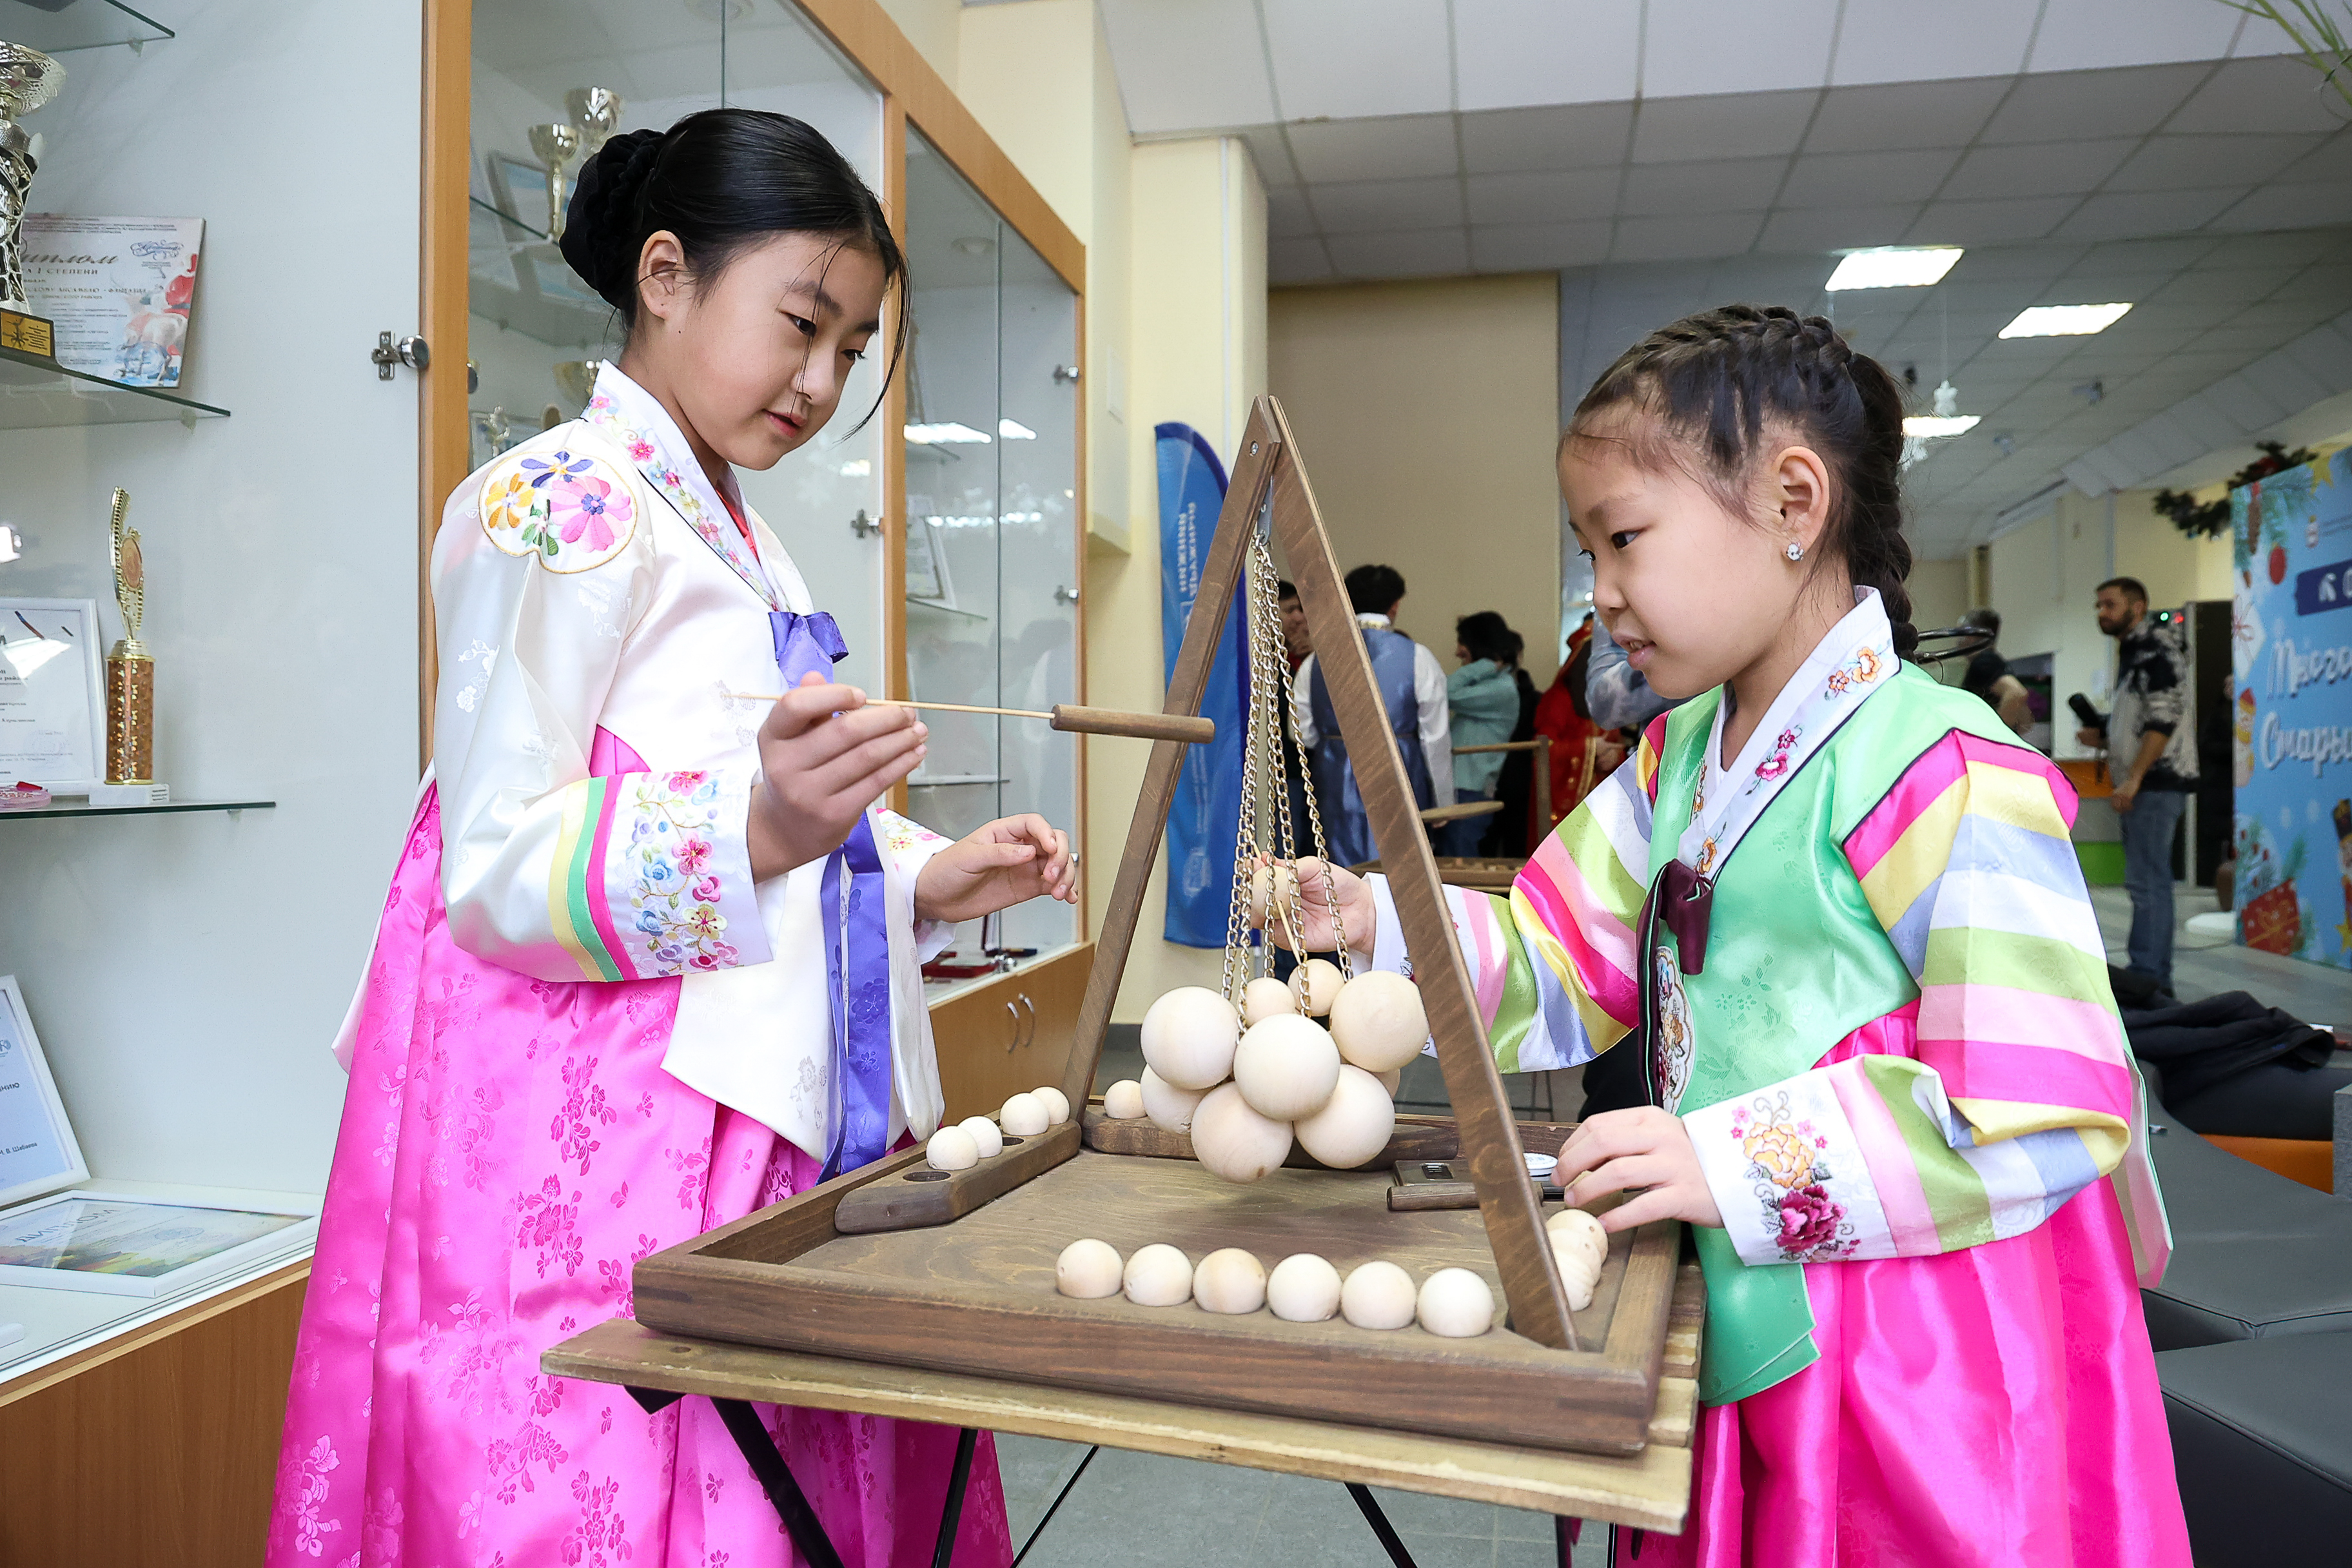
(187, 973)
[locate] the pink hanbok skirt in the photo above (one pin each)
(509, 1148)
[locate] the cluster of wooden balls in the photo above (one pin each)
(1578, 1245)
(1454, 1303)
(976, 1138)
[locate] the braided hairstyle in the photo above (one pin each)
(723, 181)
(1715, 380)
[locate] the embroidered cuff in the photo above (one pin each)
(910, 846)
(1788, 1174)
(677, 873)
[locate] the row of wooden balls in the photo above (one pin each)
(1453, 1303)
(976, 1138)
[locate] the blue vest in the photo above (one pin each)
(1349, 831)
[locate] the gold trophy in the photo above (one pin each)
(28, 79)
(129, 673)
(556, 146)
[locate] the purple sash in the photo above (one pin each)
(857, 937)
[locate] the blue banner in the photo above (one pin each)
(2292, 661)
(1208, 803)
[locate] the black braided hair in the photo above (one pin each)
(723, 181)
(1717, 378)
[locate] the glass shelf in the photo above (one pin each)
(77, 25)
(66, 806)
(37, 396)
(949, 781)
(505, 221)
(935, 607)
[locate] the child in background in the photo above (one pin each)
(1835, 906)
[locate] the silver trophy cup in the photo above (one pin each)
(556, 146)
(28, 79)
(595, 114)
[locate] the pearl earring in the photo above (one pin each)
(1795, 551)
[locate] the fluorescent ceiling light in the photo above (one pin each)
(1930, 424)
(2063, 321)
(1893, 267)
(1013, 430)
(948, 435)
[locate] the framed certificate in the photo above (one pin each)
(52, 717)
(927, 560)
(37, 1152)
(115, 1244)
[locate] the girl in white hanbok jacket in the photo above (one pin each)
(651, 957)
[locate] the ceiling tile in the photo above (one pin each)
(1371, 206)
(1573, 136)
(1183, 64)
(2291, 206)
(2249, 340)
(2191, 162)
(1988, 223)
(2059, 169)
(1661, 190)
(1582, 194)
(1690, 235)
(2148, 255)
(2263, 249)
(2237, 287)
(2331, 161)
(1904, 114)
(1861, 179)
(1513, 52)
(1421, 254)
(1737, 125)
(1902, 40)
(1354, 58)
(2279, 93)
(2288, 315)
(2035, 263)
(1271, 154)
(1707, 46)
(2081, 34)
(1837, 228)
(2105, 286)
(2068, 105)
(1287, 216)
(1297, 261)
(1404, 148)
(1531, 246)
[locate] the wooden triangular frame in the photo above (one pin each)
(1268, 463)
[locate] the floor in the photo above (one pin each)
(2203, 965)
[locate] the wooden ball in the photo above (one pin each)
(1285, 1067)
(1157, 1276)
(1056, 1103)
(1456, 1304)
(1189, 1036)
(1088, 1270)
(1377, 1295)
(1579, 1274)
(1265, 997)
(1264, 881)
(1354, 1125)
(1583, 1228)
(1229, 1280)
(1123, 1101)
(1170, 1108)
(1024, 1116)
(1391, 1080)
(1379, 1022)
(952, 1149)
(1321, 980)
(984, 1133)
(1303, 1289)
(1234, 1141)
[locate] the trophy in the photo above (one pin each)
(28, 79)
(129, 673)
(556, 146)
(595, 114)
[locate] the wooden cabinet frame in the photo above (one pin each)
(912, 93)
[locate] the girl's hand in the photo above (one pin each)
(1314, 911)
(1644, 1147)
(1010, 861)
(824, 757)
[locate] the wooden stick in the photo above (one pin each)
(1067, 717)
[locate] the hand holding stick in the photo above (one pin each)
(1063, 716)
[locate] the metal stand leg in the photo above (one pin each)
(1389, 1539)
(953, 1513)
(792, 1504)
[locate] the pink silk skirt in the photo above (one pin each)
(1992, 1407)
(509, 1148)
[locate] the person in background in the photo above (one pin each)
(1482, 701)
(1412, 691)
(1295, 647)
(1511, 832)
(2152, 757)
(1988, 678)
(1296, 643)
(1564, 712)
(1616, 693)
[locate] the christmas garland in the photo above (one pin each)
(2209, 520)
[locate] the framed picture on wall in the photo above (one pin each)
(52, 717)
(120, 1243)
(927, 559)
(37, 1152)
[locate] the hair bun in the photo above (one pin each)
(599, 228)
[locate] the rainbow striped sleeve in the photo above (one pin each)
(2012, 1091)
(1552, 962)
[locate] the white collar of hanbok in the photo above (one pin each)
(635, 418)
(1854, 661)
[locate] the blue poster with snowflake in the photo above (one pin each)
(2291, 658)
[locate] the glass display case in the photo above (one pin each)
(993, 522)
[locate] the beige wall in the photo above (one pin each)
(933, 26)
(1427, 414)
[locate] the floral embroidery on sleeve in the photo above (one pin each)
(675, 887)
(1791, 1174)
(570, 509)
(901, 837)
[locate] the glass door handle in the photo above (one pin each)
(864, 526)
(1065, 594)
(1066, 375)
